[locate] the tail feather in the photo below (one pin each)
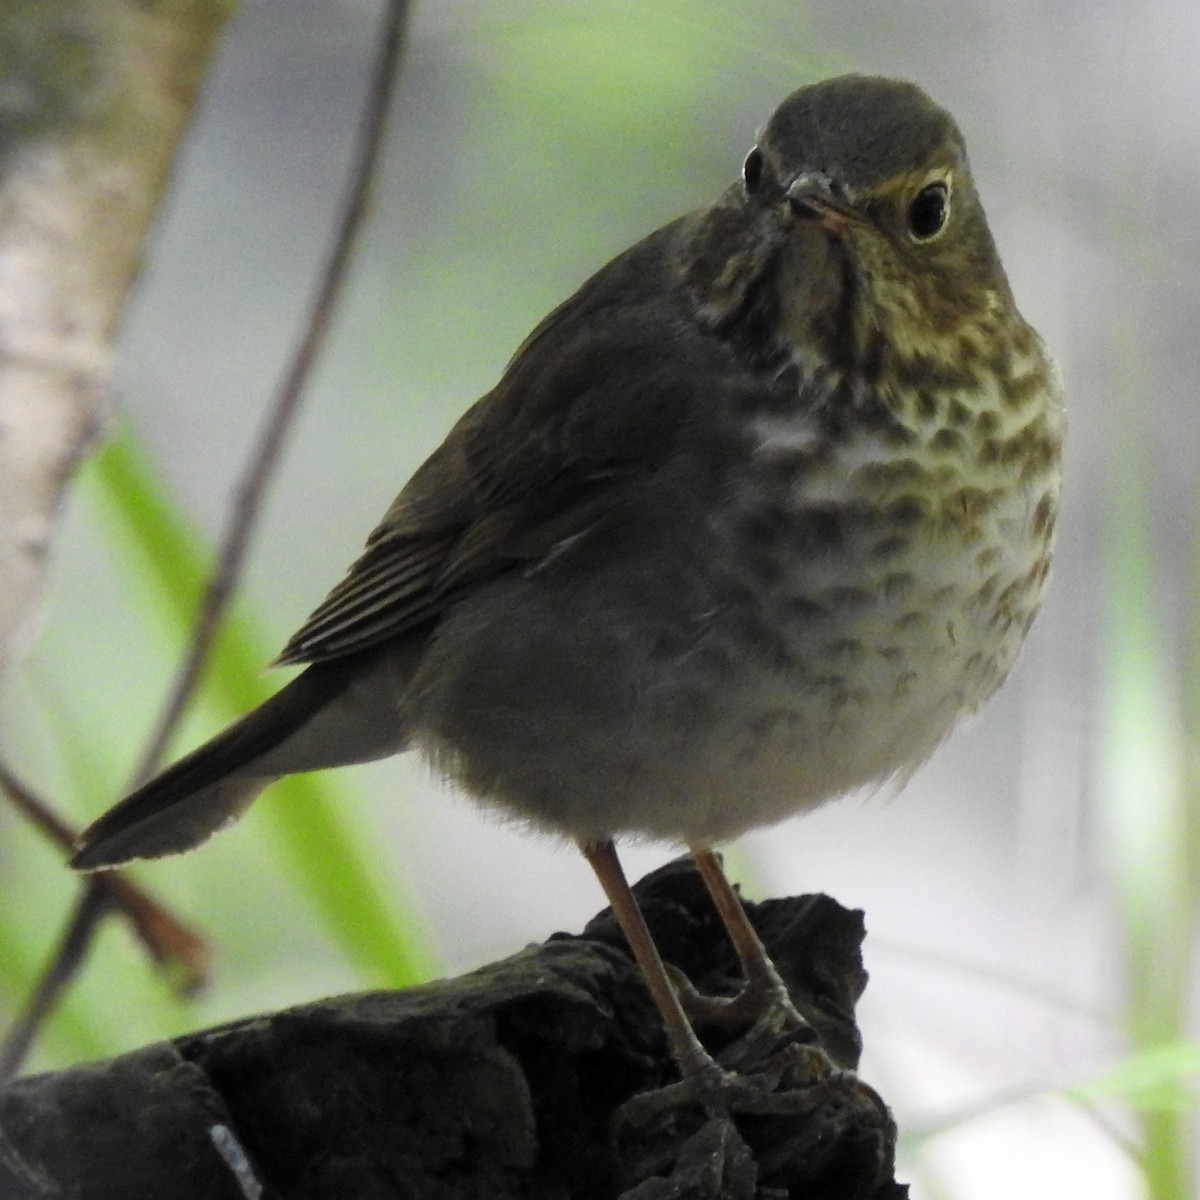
(214, 784)
(148, 829)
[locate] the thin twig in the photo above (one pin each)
(182, 953)
(63, 966)
(250, 494)
(40, 813)
(155, 926)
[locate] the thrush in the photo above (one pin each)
(749, 522)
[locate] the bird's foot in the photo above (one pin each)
(764, 1003)
(703, 1009)
(761, 998)
(772, 1085)
(723, 1133)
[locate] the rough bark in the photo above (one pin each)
(94, 98)
(513, 1081)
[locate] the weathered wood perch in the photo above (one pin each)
(504, 1083)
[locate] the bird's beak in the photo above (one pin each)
(814, 196)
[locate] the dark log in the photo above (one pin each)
(508, 1082)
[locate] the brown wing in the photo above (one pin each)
(386, 592)
(592, 403)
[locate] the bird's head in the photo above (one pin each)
(855, 225)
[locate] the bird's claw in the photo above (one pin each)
(790, 1083)
(763, 1002)
(714, 1010)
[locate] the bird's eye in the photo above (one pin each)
(928, 212)
(752, 170)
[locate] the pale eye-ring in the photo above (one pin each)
(929, 211)
(752, 171)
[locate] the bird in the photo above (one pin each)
(749, 522)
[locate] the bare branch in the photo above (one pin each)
(170, 943)
(62, 968)
(264, 460)
(63, 352)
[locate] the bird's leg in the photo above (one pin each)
(768, 1086)
(764, 999)
(694, 1061)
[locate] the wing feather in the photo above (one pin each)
(587, 410)
(387, 592)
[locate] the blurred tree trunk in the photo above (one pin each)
(95, 96)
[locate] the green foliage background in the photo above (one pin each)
(531, 142)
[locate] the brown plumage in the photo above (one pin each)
(748, 522)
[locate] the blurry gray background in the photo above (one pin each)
(531, 141)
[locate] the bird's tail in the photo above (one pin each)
(323, 717)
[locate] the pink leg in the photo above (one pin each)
(693, 1059)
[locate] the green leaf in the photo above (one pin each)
(331, 863)
(1160, 1078)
